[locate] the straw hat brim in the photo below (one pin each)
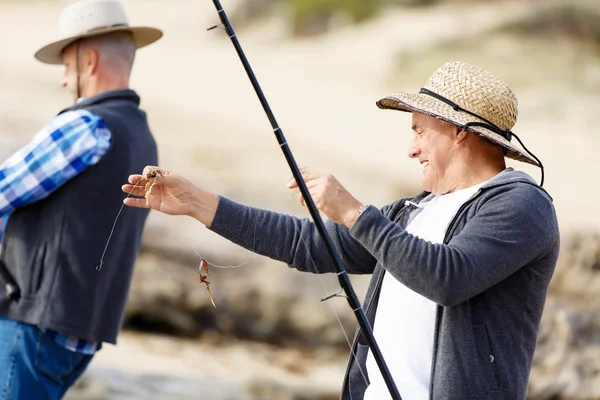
(424, 104)
(142, 36)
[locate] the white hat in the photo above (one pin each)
(87, 18)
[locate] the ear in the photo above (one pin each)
(461, 134)
(90, 61)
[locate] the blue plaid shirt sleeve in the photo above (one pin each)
(71, 142)
(62, 149)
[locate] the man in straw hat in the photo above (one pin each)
(65, 288)
(460, 271)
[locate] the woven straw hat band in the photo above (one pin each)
(506, 133)
(477, 91)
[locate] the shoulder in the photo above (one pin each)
(75, 117)
(523, 205)
(517, 190)
(74, 123)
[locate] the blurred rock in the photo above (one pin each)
(578, 19)
(567, 359)
(103, 383)
(265, 302)
(157, 367)
(273, 390)
(577, 275)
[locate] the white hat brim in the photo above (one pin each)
(142, 36)
(428, 105)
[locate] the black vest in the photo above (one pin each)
(52, 247)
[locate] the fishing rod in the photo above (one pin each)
(343, 277)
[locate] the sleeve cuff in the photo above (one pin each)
(364, 221)
(226, 215)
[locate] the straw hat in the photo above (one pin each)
(87, 18)
(468, 97)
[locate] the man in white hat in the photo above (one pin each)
(63, 289)
(460, 271)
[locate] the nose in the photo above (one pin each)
(413, 150)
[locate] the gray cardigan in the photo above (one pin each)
(489, 277)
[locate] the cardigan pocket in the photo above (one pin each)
(486, 357)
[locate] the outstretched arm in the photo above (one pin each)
(290, 239)
(282, 237)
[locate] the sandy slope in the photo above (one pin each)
(209, 123)
(161, 367)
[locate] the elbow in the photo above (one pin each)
(448, 298)
(450, 302)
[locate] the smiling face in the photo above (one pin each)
(435, 145)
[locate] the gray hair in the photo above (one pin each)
(117, 49)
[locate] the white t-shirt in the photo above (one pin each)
(405, 320)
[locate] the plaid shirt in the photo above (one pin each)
(62, 149)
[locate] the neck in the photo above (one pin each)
(105, 84)
(105, 88)
(474, 172)
(481, 173)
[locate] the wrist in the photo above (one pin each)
(362, 209)
(354, 214)
(203, 207)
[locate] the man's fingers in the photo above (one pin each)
(134, 190)
(137, 203)
(153, 169)
(135, 179)
(312, 194)
(312, 184)
(308, 178)
(292, 184)
(156, 175)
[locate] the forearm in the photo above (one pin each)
(289, 239)
(473, 261)
(203, 206)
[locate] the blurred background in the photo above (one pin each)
(322, 65)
